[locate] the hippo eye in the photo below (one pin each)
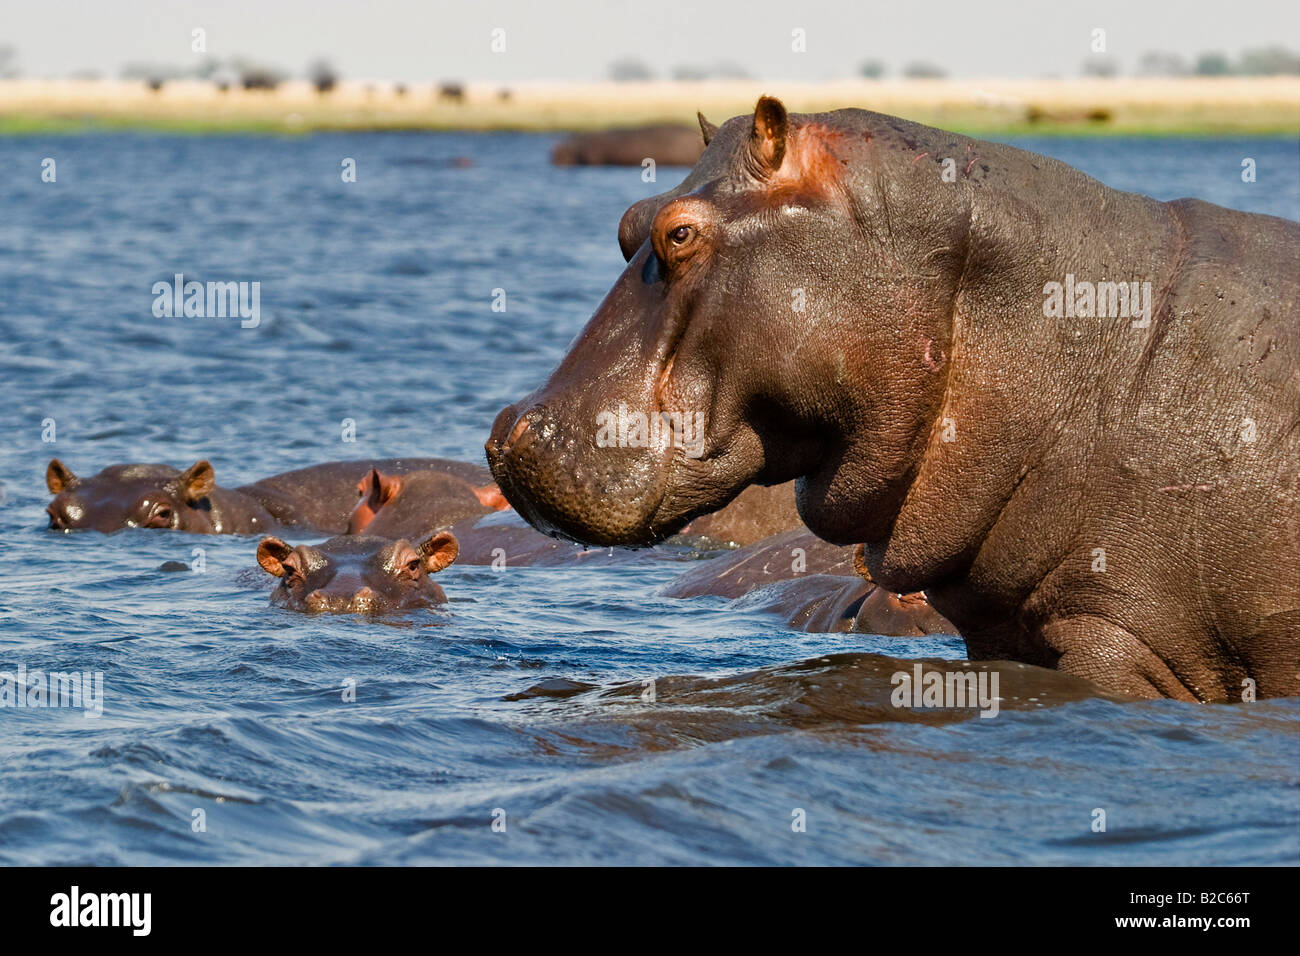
(413, 567)
(160, 517)
(680, 234)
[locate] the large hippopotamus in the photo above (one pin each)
(667, 145)
(358, 574)
(878, 310)
(812, 585)
(317, 498)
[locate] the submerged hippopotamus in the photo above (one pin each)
(317, 498)
(666, 144)
(358, 574)
(754, 515)
(391, 505)
(877, 309)
(813, 586)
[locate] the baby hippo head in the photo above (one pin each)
(358, 574)
(131, 496)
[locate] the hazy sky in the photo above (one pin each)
(418, 40)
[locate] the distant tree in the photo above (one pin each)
(1269, 61)
(629, 70)
(1100, 66)
(1212, 64)
(872, 69)
(452, 91)
(323, 76)
(924, 71)
(690, 74)
(253, 76)
(400, 89)
(8, 62)
(1158, 63)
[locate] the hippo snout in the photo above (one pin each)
(364, 600)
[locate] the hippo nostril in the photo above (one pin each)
(318, 600)
(521, 426)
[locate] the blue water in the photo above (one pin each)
(376, 307)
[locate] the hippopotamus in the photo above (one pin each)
(813, 586)
(756, 514)
(391, 505)
(667, 145)
(318, 498)
(875, 309)
(358, 574)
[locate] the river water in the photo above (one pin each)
(227, 732)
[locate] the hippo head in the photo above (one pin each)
(131, 496)
(389, 504)
(357, 574)
(786, 313)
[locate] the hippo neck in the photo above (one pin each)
(1024, 389)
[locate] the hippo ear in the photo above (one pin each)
(439, 551)
(767, 139)
(196, 481)
(373, 492)
(59, 477)
(490, 496)
(707, 129)
(271, 555)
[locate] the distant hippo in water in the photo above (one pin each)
(874, 308)
(318, 498)
(358, 574)
(667, 145)
(151, 496)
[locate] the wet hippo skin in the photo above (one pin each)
(1117, 497)
(812, 585)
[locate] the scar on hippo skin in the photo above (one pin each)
(932, 363)
(358, 574)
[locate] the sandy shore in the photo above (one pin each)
(1260, 105)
